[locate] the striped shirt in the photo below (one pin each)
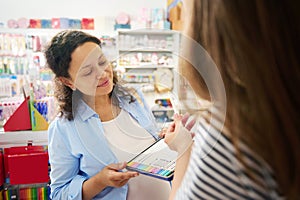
(215, 172)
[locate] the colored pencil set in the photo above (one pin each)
(28, 193)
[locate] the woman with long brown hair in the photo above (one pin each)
(255, 46)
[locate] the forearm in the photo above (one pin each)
(180, 169)
(91, 188)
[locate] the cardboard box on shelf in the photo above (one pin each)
(87, 23)
(175, 14)
(26, 165)
(177, 25)
(1, 169)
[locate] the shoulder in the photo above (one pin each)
(60, 125)
(217, 165)
(60, 121)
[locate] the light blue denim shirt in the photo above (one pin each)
(78, 149)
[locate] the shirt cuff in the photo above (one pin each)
(75, 187)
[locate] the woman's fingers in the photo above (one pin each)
(186, 122)
(193, 134)
(190, 125)
(115, 177)
(171, 127)
(163, 132)
(185, 118)
(120, 176)
(117, 166)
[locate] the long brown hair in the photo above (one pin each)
(254, 44)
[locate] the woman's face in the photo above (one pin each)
(90, 71)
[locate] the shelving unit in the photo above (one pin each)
(41, 31)
(18, 58)
(21, 53)
(22, 138)
(21, 59)
(149, 58)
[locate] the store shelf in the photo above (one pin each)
(21, 138)
(149, 49)
(151, 31)
(144, 49)
(43, 31)
(147, 66)
(32, 62)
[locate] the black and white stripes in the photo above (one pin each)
(215, 172)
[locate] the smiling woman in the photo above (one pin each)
(85, 163)
(89, 71)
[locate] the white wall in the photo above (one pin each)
(72, 8)
(15, 9)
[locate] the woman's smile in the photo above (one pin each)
(104, 83)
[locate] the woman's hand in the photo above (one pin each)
(112, 176)
(178, 136)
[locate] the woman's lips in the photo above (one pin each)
(103, 84)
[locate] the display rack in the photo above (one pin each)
(21, 138)
(149, 58)
(19, 46)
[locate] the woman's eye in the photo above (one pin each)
(87, 73)
(102, 62)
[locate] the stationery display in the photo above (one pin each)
(157, 161)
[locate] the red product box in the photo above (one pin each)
(87, 23)
(1, 169)
(26, 165)
(35, 23)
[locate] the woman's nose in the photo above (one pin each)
(101, 72)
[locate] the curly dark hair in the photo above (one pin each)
(58, 56)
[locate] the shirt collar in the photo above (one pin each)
(84, 111)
